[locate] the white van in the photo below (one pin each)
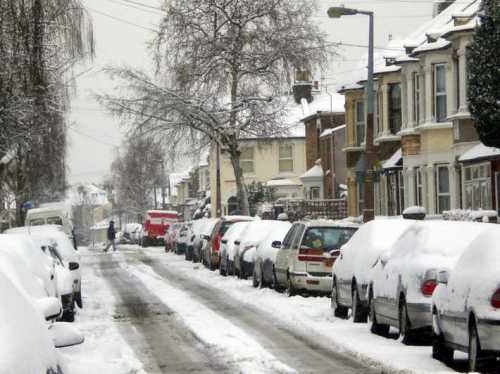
(50, 216)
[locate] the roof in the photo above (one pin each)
(281, 183)
(332, 131)
(315, 172)
(479, 152)
(331, 223)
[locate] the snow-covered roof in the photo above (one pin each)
(331, 131)
(315, 172)
(281, 183)
(479, 151)
(394, 160)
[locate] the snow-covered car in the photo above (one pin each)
(169, 238)
(246, 247)
(304, 261)
(466, 304)
(357, 257)
(40, 264)
(265, 256)
(27, 342)
(182, 236)
(228, 245)
(132, 233)
(201, 231)
(52, 236)
(404, 278)
(211, 250)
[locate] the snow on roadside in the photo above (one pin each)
(313, 314)
(104, 349)
(212, 329)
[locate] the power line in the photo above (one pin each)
(147, 10)
(120, 19)
(97, 140)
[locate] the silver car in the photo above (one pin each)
(404, 278)
(466, 304)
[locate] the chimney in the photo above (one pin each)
(440, 6)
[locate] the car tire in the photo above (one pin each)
(290, 289)
(339, 311)
(476, 355)
(274, 284)
(440, 351)
(68, 315)
(255, 280)
(404, 323)
(376, 328)
(222, 270)
(262, 282)
(144, 242)
(359, 314)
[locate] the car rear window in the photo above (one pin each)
(54, 221)
(37, 222)
(327, 238)
(225, 226)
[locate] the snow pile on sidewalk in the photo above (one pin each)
(104, 349)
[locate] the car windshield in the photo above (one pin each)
(327, 238)
(54, 221)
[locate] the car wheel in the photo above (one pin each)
(255, 278)
(359, 314)
(376, 328)
(339, 311)
(290, 290)
(222, 270)
(440, 351)
(274, 284)
(404, 323)
(476, 356)
(262, 282)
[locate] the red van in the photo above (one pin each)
(155, 226)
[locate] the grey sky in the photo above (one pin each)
(95, 136)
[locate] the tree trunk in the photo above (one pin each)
(240, 186)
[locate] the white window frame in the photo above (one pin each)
(248, 161)
(416, 97)
(440, 94)
(360, 123)
(419, 187)
(288, 159)
(475, 183)
(313, 195)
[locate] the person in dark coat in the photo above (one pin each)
(111, 236)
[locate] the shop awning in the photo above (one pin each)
(395, 162)
(480, 152)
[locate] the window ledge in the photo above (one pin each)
(388, 138)
(408, 131)
(462, 114)
(434, 126)
(353, 148)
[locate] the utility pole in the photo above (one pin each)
(163, 202)
(218, 205)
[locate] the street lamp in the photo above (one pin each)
(368, 206)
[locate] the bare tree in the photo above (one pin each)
(223, 71)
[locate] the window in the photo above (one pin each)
(378, 112)
(37, 222)
(440, 98)
(286, 158)
(314, 193)
(289, 237)
(401, 191)
(416, 98)
(54, 221)
(246, 160)
(361, 199)
(442, 188)
(395, 108)
(418, 187)
(327, 238)
(298, 236)
(360, 122)
(477, 187)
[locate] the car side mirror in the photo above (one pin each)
(65, 335)
(224, 241)
(276, 244)
(74, 266)
(206, 237)
(237, 242)
(50, 306)
(442, 277)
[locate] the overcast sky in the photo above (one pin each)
(122, 31)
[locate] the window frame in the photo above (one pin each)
(247, 160)
(437, 95)
(314, 188)
(439, 194)
(286, 159)
(360, 123)
(474, 182)
(416, 97)
(395, 111)
(419, 187)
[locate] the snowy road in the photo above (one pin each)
(155, 313)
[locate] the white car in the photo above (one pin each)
(26, 341)
(227, 251)
(246, 246)
(265, 256)
(403, 280)
(357, 257)
(466, 304)
(39, 263)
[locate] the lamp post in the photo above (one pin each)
(368, 206)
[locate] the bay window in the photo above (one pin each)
(477, 187)
(360, 122)
(394, 108)
(442, 188)
(440, 95)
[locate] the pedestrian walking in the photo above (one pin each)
(111, 236)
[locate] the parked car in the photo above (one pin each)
(265, 257)
(357, 257)
(404, 278)
(181, 238)
(466, 304)
(201, 233)
(26, 342)
(169, 238)
(304, 261)
(54, 214)
(246, 246)
(39, 263)
(226, 266)
(132, 233)
(63, 254)
(212, 248)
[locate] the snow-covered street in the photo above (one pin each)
(147, 311)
